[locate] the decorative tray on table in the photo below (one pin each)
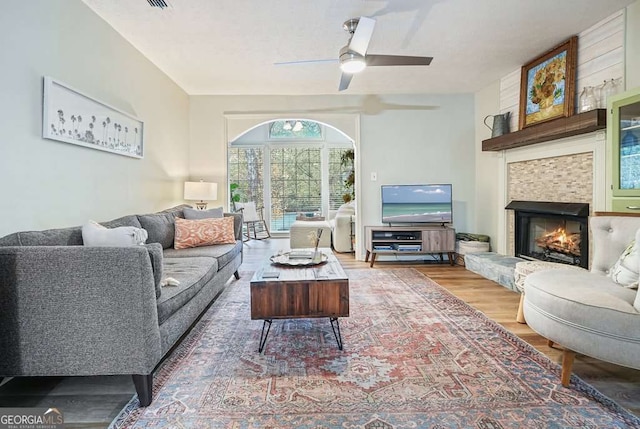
(297, 259)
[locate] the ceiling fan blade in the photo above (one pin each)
(362, 36)
(286, 63)
(345, 80)
(397, 60)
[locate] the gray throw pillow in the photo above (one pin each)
(161, 228)
(193, 214)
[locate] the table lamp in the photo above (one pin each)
(200, 191)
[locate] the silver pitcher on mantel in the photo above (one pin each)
(500, 124)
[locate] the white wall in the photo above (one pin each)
(632, 46)
(403, 138)
(487, 165)
(46, 183)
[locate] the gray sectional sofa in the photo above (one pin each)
(72, 310)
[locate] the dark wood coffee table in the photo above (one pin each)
(300, 292)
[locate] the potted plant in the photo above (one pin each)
(234, 195)
(347, 160)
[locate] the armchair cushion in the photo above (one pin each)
(611, 235)
(249, 212)
(586, 313)
(347, 209)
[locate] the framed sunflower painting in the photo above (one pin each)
(548, 85)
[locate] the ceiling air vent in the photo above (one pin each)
(158, 3)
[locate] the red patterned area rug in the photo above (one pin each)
(414, 357)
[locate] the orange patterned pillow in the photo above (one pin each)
(203, 232)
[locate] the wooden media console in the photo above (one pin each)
(406, 240)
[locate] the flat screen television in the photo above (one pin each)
(417, 204)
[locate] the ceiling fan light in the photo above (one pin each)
(351, 63)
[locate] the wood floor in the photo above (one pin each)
(92, 402)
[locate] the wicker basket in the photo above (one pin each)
(465, 247)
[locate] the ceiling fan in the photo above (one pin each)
(353, 57)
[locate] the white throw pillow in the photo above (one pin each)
(94, 234)
(625, 270)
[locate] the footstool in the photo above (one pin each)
(299, 233)
(523, 269)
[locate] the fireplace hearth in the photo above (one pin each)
(552, 231)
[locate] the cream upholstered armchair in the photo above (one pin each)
(341, 227)
(587, 311)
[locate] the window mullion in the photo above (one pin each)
(266, 183)
(324, 168)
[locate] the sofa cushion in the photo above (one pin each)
(10, 240)
(214, 213)
(160, 226)
(237, 223)
(203, 232)
(224, 253)
(177, 211)
(131, 220)
(94, 234)
(155, 254)
(192, 273)
(52, 237)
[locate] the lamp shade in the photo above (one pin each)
(200, 191)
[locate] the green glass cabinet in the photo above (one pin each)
(623, 131)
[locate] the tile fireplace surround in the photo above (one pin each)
(567, 178)
(570, 170)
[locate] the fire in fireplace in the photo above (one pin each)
(550, 231)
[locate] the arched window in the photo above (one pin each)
(291, 169)
(293, 129)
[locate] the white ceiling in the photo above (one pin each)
(230, 46)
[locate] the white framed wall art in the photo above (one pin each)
(72, 117)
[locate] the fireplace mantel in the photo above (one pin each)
(581, 123)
